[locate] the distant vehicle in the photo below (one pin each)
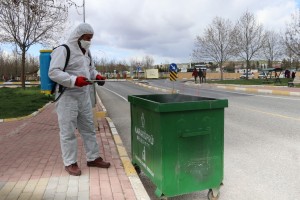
(190, 70)
(244, 76)
(271, 73)
(184, 69)
(13, 81)
(281, 75)
(262, 75)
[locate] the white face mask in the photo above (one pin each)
(85, 44)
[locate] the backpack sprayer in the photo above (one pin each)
(47, 85)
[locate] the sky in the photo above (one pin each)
(165, 29)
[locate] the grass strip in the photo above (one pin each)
(18, 102)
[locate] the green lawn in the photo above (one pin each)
(17, 102)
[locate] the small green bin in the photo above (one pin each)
(178, 141)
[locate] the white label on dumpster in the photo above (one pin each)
(144, 154)
(142, 141)
(143, 120)
(143, 137)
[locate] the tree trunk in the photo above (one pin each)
(247, 68)
(221, 70)
(23, 68)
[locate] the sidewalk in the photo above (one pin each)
(31, 166)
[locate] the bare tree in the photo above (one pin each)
(28, 22)
(216, 44)
(250, 38)
(135, 62)
(2, 69)
(111, 65)
(290, 56)
(292, 35)
(103, 63)
(274, 46)
(148, 61)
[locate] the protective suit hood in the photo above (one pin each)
(80, 30)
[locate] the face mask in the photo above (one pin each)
(85, 44)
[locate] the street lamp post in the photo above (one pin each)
(71, 3)
(83, 10)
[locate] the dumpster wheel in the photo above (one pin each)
(211, 195)
(163, 198)
(137, 169)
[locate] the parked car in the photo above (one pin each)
(244, 76)
(281, 75)
(262, 75)
(11, 81)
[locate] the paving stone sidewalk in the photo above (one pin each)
(31, 166)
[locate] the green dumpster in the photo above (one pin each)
(178, 142)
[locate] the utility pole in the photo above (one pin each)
(71, 3)
(83, 11)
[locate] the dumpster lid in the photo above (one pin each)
(176, 102)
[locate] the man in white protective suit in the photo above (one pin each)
(74, 107)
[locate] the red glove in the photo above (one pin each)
(99, 77)
(81, 81)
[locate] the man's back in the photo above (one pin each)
(200, 73)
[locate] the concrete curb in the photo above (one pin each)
(250, 89)
(137, 185)
(156, 88)
(259, 90)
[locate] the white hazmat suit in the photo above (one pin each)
(74, 108)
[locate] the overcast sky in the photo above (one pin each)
(166, 29)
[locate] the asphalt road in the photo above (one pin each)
(262, 151)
